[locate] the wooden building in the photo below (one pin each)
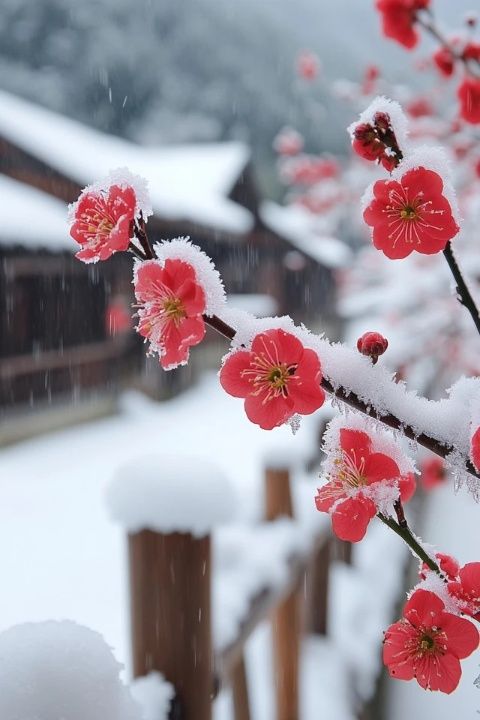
(54, 336)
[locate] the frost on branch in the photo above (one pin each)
(169, 493)
(52, 670)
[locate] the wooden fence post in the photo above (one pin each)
(241, 700)
(317, 589)
(170, 616)
(286, 618)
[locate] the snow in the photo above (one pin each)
(170, 493)
(123, 178)
(154, 694)
(382, 441)
(443, 420)
(31, 218)
(205, 271)
(297, 225)
(242, 572)
(61, 671)
(258, 304)
(393, 109)
(436, 159)
(189, 182)
(66, 559)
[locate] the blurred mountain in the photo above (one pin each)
(176, 70)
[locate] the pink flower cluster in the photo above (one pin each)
(278, 376)
(356, 484)
(399, 23)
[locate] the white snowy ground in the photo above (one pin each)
(62, 557)
(452, 522)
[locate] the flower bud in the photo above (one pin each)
(372, 344)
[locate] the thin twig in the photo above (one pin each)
(408, 537)
(136, 251)
(463, 293)
(142, 237)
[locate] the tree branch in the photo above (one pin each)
(464, 295)
(351, 399)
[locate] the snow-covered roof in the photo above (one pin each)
(297, 225)
(31, 217)
(187, 182)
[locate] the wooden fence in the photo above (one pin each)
(170, 588)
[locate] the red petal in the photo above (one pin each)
(119, 238)
(407, 485)
(279, 347)
(176, 273)
(231, 378)
(438, 672)
(462, 635)
(268, 414)
(395, 653)
(350, 518)
(122, 201)
(147, 279)
(420, 181)
(470, 578)
(475, 449)
(192, 296)
(328, 495)
(424, 608)
(380, 467)
(355, 443)
(304, 388)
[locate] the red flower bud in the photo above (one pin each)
(372, 344)
(382, 121)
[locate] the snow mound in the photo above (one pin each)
(153, 693)
(61, 671)
(392, 108)
(170, 493)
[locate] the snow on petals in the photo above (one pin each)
(102, 219)
(428, 643)
(103, 222)
(361, 482)
(278, 377)
(171, 303)
(410, 213)
(398, 19)
(207, 275)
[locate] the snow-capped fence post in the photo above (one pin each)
(170, 615)
(169, 506)
(286, 618)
